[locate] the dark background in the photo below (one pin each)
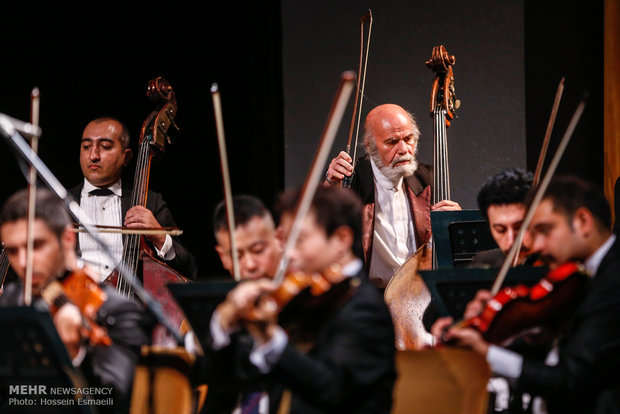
(264, 55)
(486, 38)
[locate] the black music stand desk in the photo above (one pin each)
(451, 289)
(34, 363)
(199, 299)
(458, 236)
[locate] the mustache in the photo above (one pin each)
(404, 158)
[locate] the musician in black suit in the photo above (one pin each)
(53, 254)
(104, 151)
(318, 354)
(580, 373)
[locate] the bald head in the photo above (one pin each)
(391, 139)
(387, 116)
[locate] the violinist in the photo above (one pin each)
(501, 201)
(104, 151)
(259, 249)
(572, 223)
(53, 257)
(394, 188)
(349, 365)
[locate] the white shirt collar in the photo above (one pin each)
(382, 180)
(594, 261)
(353, 267)
(116, 188)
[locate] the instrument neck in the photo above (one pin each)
(441, 171)
(133, 242)
(4, 267)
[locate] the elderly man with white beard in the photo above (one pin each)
(395, 190)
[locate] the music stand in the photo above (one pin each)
(451, 289)
(458, 236)
(33, 363)
(198, 300)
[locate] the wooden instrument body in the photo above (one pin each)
(407, 298)
(155, 276)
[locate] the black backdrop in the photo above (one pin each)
(99, 63)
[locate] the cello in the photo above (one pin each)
(155, 274)
(406, 293)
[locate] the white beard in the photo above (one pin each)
(395, 173)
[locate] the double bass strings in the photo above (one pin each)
(131, 249)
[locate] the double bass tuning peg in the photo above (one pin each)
(176, 127)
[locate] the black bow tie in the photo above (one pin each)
(101, 192)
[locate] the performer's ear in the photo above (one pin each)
(128, 156)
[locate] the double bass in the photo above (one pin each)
(155, 274)
(406, 294)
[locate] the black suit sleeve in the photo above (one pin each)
(353, 356)
(589, 352)
(184, 261)
(114, 365)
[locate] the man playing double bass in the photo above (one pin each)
(580, 372)
(104, 151)
(395, 190)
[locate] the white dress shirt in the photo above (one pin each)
(107, 211)
(393, 234)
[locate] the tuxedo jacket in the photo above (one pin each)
(349, 368)
(183, 262)
(418, 188)
(128, 327)
(587, 376)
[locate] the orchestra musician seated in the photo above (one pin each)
(106, 198)
(330, 352)
(394, 188)
(579, 373)
(501, 201)
(258, 248)
(54, 258)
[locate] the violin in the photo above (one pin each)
(518, 309)
(79, 289)
(304, 302)
(293, 284)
